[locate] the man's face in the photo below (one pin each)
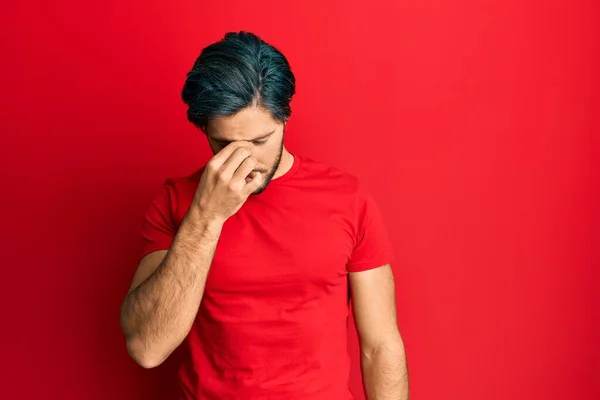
(254, 125)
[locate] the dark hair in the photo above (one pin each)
(234, 73)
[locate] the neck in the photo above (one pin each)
(287, 160)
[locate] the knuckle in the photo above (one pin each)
(222, 177)
(211, 167)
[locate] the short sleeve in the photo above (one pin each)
(159, 227)
(372, 244)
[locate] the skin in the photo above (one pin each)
(167, 288)
(382, 354)
(256, 126)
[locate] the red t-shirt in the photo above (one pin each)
(272, 323)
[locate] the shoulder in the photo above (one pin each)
(329, 175)
(337, 184)
(177, 193)
(182, 184)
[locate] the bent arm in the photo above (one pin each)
(160, 308)
(383, 359)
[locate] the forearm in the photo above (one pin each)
(158, 314)
(385, 373)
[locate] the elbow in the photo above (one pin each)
(392, 346)
(147, 362)
(142, 356)
(139, 350)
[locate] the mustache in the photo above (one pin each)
(262, 168)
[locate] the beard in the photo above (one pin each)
(269, 174)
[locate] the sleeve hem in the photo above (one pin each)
(364, 266)
(151, 249)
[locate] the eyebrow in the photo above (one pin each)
(258, 138)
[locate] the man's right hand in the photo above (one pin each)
(227, 181)
(168, 286)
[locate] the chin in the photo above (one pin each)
(261, 189)
(264, 185)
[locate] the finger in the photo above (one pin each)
(247, 166)
(222, 156)
(255, 183)
(233, 163)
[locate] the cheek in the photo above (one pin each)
(265, 157)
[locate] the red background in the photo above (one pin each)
(470, 121)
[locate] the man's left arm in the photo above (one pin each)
(382, 354)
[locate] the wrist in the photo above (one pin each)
(199, 221)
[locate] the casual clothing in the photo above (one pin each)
(272, 323)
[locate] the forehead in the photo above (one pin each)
(247, 124)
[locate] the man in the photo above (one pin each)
(251, 261)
